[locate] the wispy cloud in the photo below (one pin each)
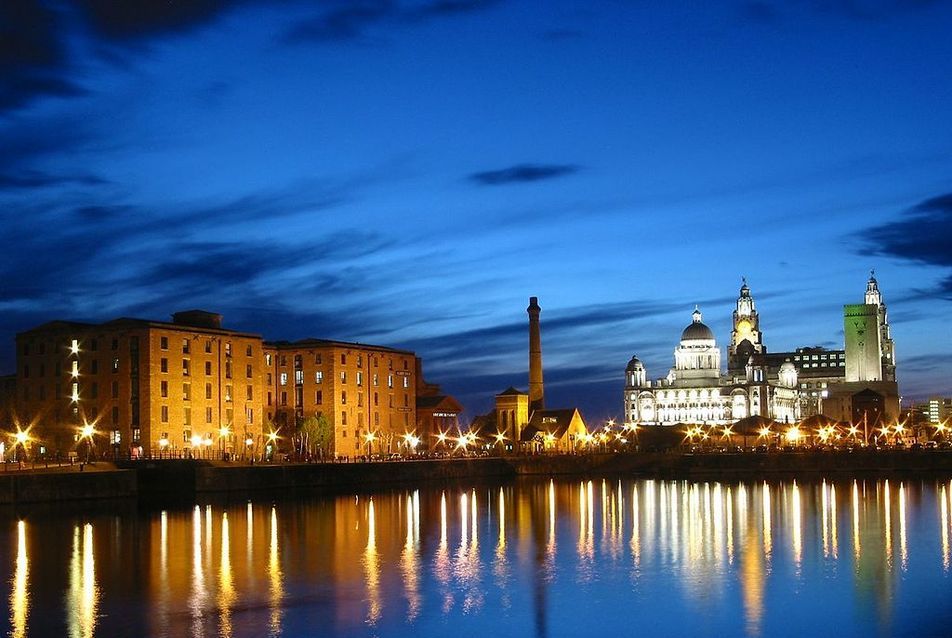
(522, 173)
(351, 20)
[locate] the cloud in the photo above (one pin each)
(920, 235)
(33, 58)
(522, 173)
(39, 179)
(351, 20)
(139, 18)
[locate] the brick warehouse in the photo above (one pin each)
(190, 386)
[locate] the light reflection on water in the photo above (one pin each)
(530, 558)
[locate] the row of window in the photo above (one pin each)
(73, 346)
(318, 360)
(820, 357)
(209, 413)
(319, 378)
(186, 368)
(186, 346)
(73, 370)
(187, 391)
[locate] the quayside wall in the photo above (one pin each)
(186, 479)
(45, 487)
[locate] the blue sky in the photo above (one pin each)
(409, 173)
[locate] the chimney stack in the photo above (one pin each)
(536, 395)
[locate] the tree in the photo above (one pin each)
(317, 434)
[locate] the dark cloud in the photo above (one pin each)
(130, 19)
(39, 179)
(33, 58)
(921, 235)
(521, 173)
(350, 20)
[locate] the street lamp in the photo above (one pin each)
(20, 439)
(87, 432)
(163, 444)
(223, 433)
(370, 437)
(500, 439)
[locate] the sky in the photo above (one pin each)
(408, 173)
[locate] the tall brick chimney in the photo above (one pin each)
(536, 394)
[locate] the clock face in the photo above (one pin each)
(743, 327)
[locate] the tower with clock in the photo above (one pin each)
(746, 337)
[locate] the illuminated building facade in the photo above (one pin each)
(191, 387)
(145, 386)
(366, 392)
(858, 382)
(695, 390)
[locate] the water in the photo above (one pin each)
(546, 558)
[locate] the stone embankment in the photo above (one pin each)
(185, 479)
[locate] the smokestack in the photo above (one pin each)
(536, 395)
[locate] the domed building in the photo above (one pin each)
(696, 391)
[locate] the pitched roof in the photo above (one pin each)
(555, 422)
(510, 391)
(439, 401)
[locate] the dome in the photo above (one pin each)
(788, 367)
(697, 330)
(635, 364)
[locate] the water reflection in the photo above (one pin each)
(20, 595)
(542, 555)
(82, 598)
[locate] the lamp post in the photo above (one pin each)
(163, 444)
(20, 439)
(370, 437)
(272, 441)
(87, 432)
(222, 435)
(501, 439)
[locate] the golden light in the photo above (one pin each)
(249, 441)
(611, 423)
(370, 437)
(206, 442)
(272, 436)
(163, 443)
(793, 434)
(223, 432)
(441, 437)
(728, 431)
(87, 431)
(500, 437)
(764, 432)
(462, 442)
(884, 430)
(21, 437)
(549, 438)
(414, 442)
(900, 428)
(196, 441)
(853, 430)
(941, 427)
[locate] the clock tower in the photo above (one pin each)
(746, 338)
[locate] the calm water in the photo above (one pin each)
(562, 558)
